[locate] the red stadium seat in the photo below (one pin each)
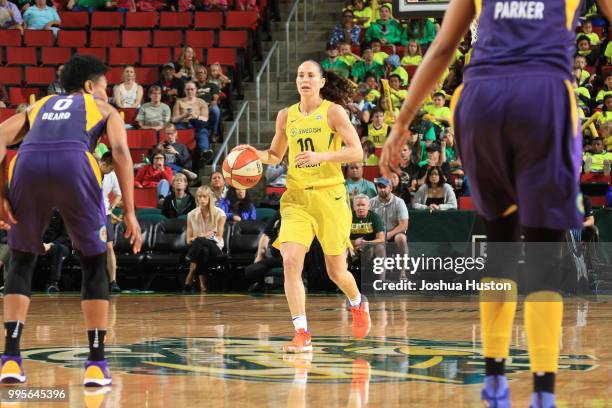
(234, 38)
(104, 39)
(147, 75)
(74, 19)
(129, 115)
(142, 139)
(155, 56)
(607, 69)
(272, 190)
(21, 56)
(199, 52)
(180, 20)
(6, 113)
(71, 38)
(410, 69)
(598, 201)
(115, 75)
(99, 53)
(140, 19)
(54, 56)
(465, 203)
(224, 56)
(167, 38)
(200, 39)
(105, 19)
(241, 19)
(11, 75)
(38, 38)
(123, 56)
(208, 20)
(137, 155)
(22, 95)
(371, 172)
(10, 38)
(145, 197)
(39, 76)
(184, 136)
(135, 38)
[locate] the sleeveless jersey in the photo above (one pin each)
(524, 37)
(61, 122)
(312, 133)
(378, 136)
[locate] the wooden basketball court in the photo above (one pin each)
(224, 351)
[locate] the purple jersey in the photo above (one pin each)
(64, 120)
(524, 37)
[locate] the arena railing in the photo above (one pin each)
(293, 14)
(235, 128)
(265, 67)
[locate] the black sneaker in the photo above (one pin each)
(53, 287)
(114, 287)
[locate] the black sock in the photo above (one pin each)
(96, 344)
(12, 336)
(544, 383)
(493, 367)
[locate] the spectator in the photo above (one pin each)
(373, 94)
(435, 194)
(172, 87)
(393, 212)
(155, 175)
(587, 30)
(110, 184)
(57, 246)
(214, 5)
(385, 29)
(267, 256)
(88, 5)
(400, 189)
(606, 114)
(408, 166)
(191, 112)
(209, 92)
(128, 94)
(41, 17)
(10, 16)
(154, 114)
(218, 186)
(355, 183)
(379, 56)
(124, 6)
(176, 154)
(333, 63)
(392, 67)
(276, 174)
(412, 53)
(580, 63)
(378, 130)
(422, 29)
(205, 226)
(237, 205)
(346, 55)
(448, 154)
(347, 32)
(363, 14)
(366, 66)
(217, 77)
(598, 160)
(605, 91)
(180, 201)
(439, 113)
(150, 5)
(433, 160)
(359, 109)
(4, 96)
(397, 94)
(367, 229)
(187, 64)
(369, 153)
(56, 88)
(584, 49)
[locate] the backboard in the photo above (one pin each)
(405, 9)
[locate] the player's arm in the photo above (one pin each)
(456, 22)
(606, 7)
(278, 147)
(12, 131)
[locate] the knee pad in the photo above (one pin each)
(19, 274)
(95, 285)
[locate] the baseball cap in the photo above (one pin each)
(382, 180)
(393, 60)
(169, 65)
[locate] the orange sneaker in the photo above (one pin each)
(361, 319)
(301, 343)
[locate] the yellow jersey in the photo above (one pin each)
(378, 136)
(312, 133)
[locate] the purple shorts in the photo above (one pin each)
(64, 179)
(520, 144)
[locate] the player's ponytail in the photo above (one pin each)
(337, 89)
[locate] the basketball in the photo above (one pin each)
(242, 169)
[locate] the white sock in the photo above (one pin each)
(299, 322)
(355, 302)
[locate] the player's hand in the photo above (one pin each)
(391, 152)
(7, 219)
(308, 158)
(132, 232)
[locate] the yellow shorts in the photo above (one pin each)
(321, 212)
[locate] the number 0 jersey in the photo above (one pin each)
(312, 133)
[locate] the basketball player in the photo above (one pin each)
(516, 124)
(55, 168)
(315, 203)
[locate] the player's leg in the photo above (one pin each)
(293, 263)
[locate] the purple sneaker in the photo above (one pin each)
(496, 392)
(97, 374)
(542, 400)
(12, 370)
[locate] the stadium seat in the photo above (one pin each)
(147, 75)
(123, 56)
(38, 76)
(11, 75)
(137, 155)
(199, 52)
(129, 114)
(410, 69)
(99, 53)
(74, 20)
(168, 250)
(200, 39)
(142, 20)
(6, 113)
(186, 137)
(131, 38)
(244, 241)
(370, 172)
(106, 19)
(167, 38)
(10, 38)
(234, 38)
(38, 38)
(21, 56)
(142, 138)
(224, 56)
(115, 75)
(465, 203)
(145, 197)
(155, 56)
(104, 39)
(22, 95)
(607, 69)
(54, 56)
(208, 20)
(130, 264)
(241, 19)
(72, 38)
(180, 20)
